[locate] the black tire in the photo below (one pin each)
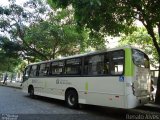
(31, 92)
(71, 99)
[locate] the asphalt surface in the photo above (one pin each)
(16, 105)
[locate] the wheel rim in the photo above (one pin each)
(71, 100)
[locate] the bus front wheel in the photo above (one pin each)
(31, 92)
(71, 99)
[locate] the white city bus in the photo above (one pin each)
(115, 78)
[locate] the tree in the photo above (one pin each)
(142, 40)
(114, 16)
(34, 29)
(59, 35)
(52, 40)
(15, 19)
(9, 58)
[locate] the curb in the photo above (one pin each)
(151, 107)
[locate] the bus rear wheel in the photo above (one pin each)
(71, 99)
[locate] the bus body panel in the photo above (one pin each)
(95, 94)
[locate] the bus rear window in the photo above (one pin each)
(140, 59)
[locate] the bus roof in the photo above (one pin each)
(84, 54)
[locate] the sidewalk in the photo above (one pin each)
(12, 84)
(153, 106)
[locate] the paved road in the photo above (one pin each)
(18, 105)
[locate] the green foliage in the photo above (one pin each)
(20, 67)
(11, 48)
(45, 38)
(14, 23)
(41, 34)
(114, 16)
(141, 39)
(95, 14)
(9, 57)
(14, 19)
(53, 39)
(60, 35)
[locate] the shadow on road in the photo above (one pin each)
(150, 108)
(48, 100)
(115, 113)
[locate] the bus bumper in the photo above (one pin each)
(143, 100)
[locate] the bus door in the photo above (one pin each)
(43, 76)
(36, 80)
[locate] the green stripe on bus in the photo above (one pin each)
(129, 66)
(86, 87)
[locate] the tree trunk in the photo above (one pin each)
(157, 99)
(149, 28)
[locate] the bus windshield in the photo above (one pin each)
(140, 59)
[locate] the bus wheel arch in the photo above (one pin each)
(71, 98)
(31, 91)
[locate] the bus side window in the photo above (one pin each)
(43, 70)
(93, 65)
(100, 68)
(106, 64)
(57, 67)
(117, 62)
(73, 66)
(34, 71)
(86, 66)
